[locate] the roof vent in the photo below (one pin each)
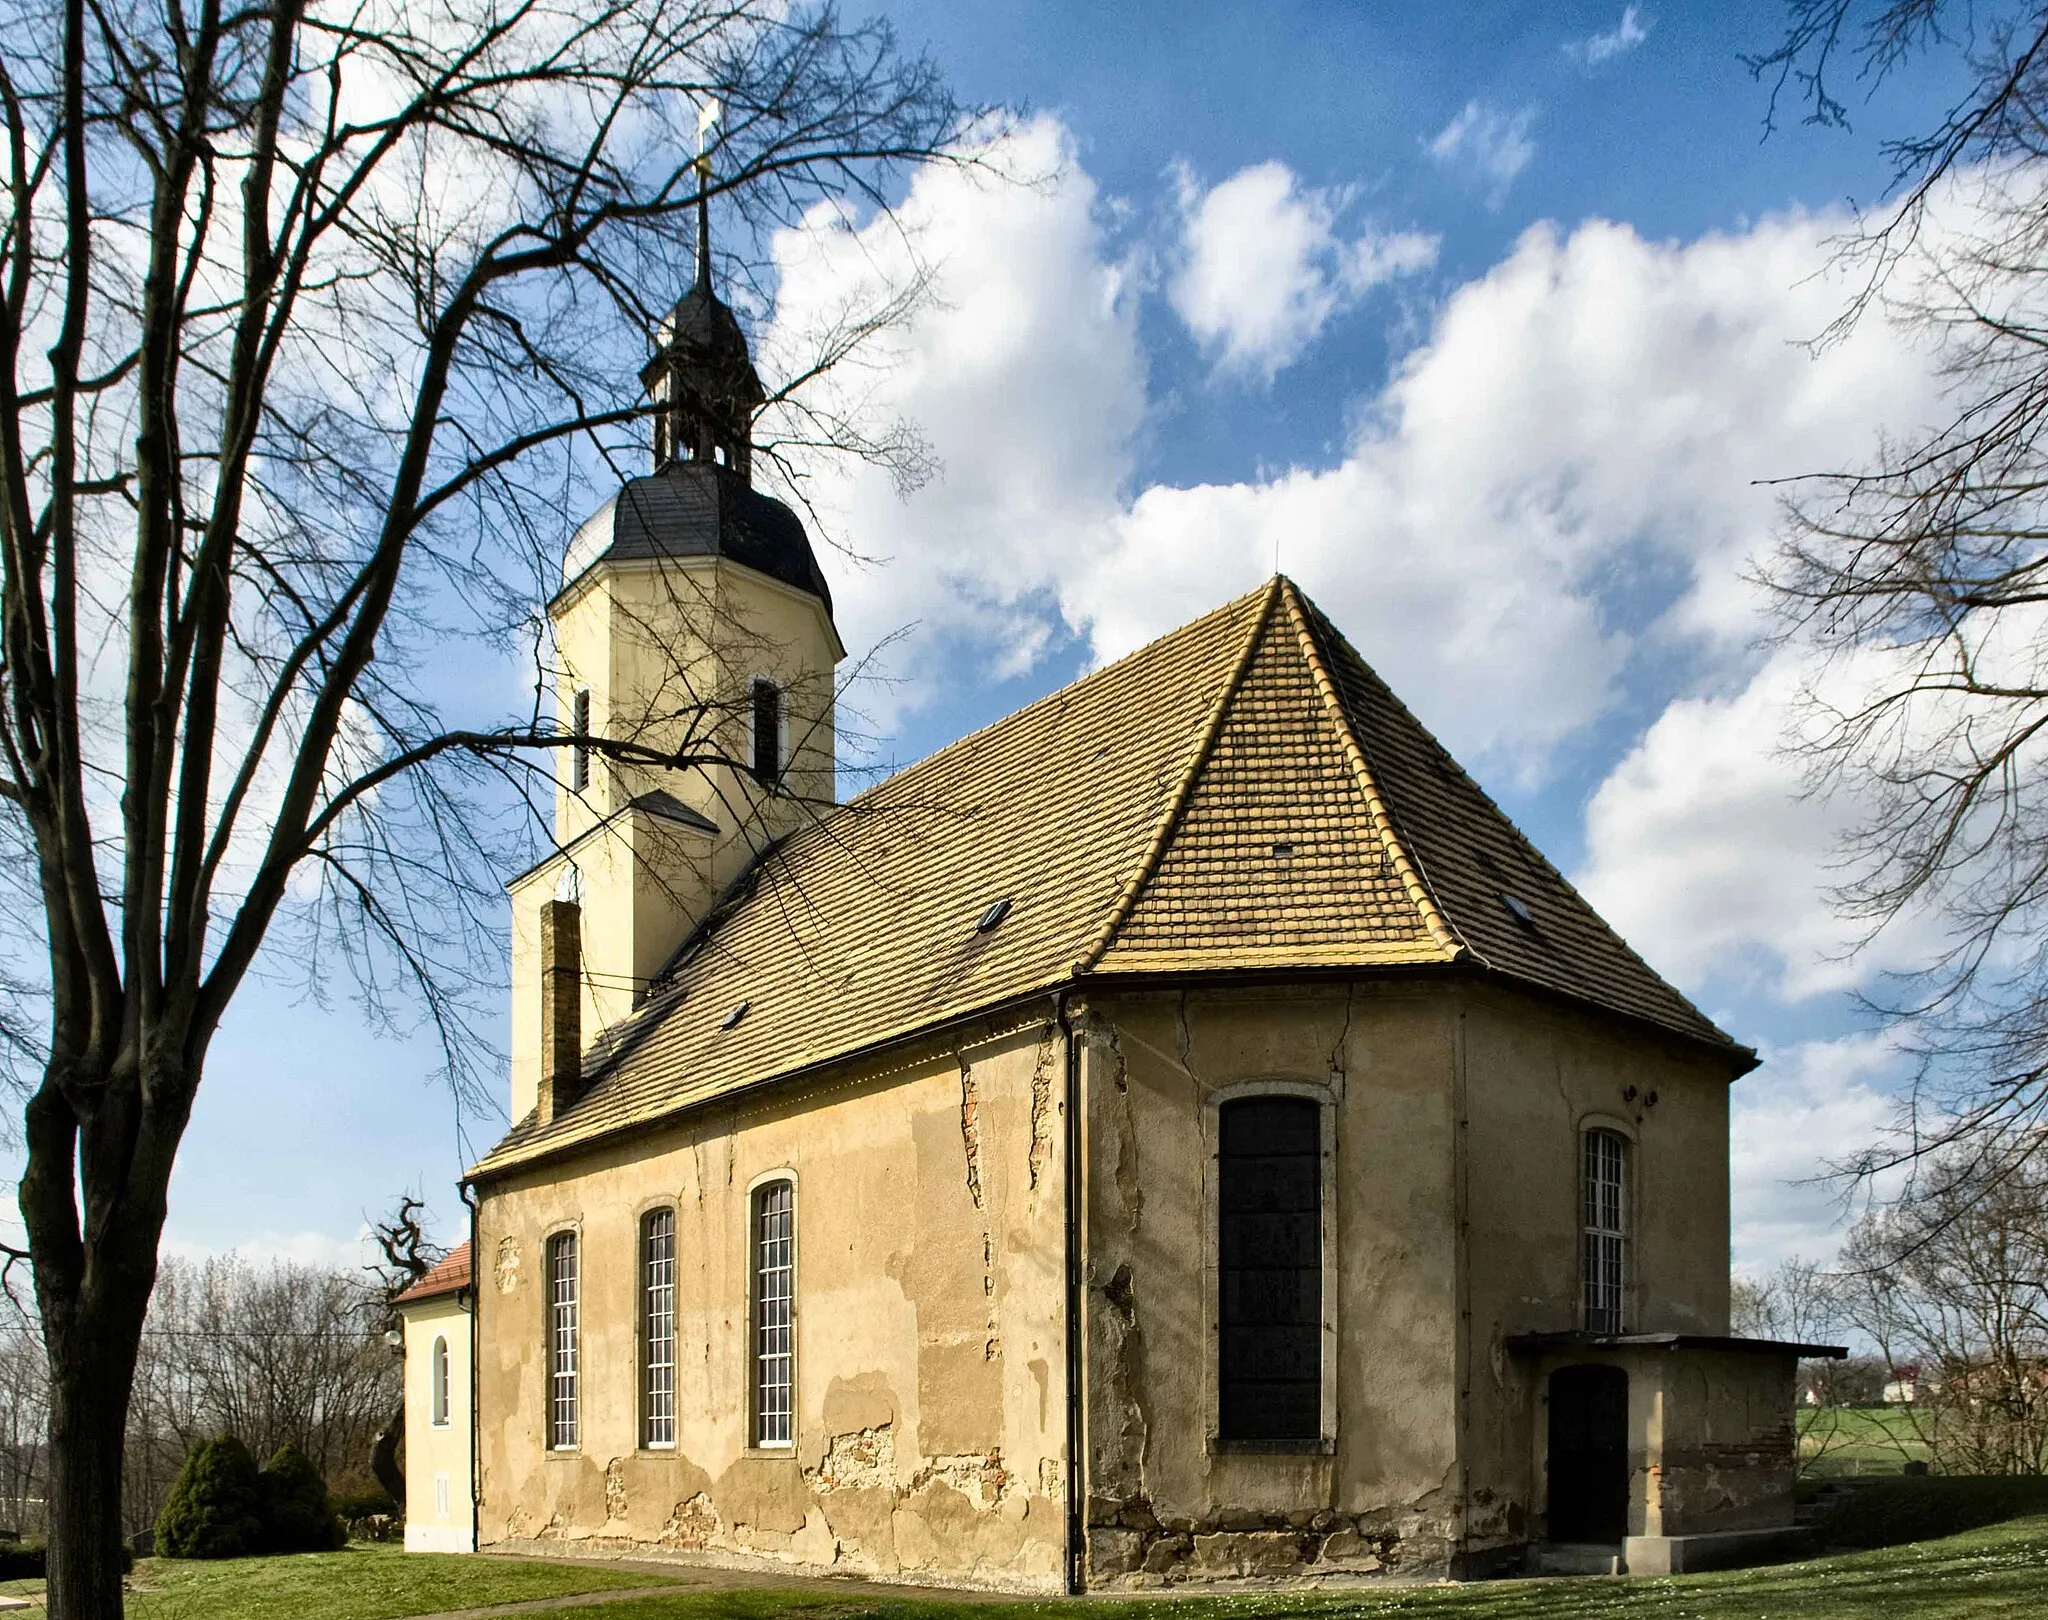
(995, 914)
(1521, 913)
(1283, 850)
(735, 1015)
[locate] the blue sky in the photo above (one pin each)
(1484, 318)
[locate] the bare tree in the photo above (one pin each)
(1951, 1281)
(315, 322)
(407, 1255)
(1919, 581)
(1800, 1301)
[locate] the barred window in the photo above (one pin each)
(1605, 1221)
(658, 1329)
(438, 1368)
(774, 1237)
(1270, 1273)
(562, 1327)
(579, 753)
(767, 708)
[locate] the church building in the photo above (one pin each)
(1182, 1132)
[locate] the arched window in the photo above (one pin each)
(438, 1373)
(658, 1328)
(767, 728)
(773, 1234)
(1270, 1270)
(563, 1303)
(579, 753)
(1604, 1220)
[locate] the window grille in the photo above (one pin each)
(440, 1380)
(1606, 1231)
(658, 1329)
(1270, 1270)
(774, 1312)
(767, 733)
(579, 754)
(562, 1324)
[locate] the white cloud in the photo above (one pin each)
(1491, 145)
(1791, 1122)
(1619, 40)
(1263, 268)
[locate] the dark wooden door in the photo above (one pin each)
(1588, 1454)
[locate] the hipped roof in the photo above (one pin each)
(1244, 793)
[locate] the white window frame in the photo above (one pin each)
(764, 1431)
(1605, 1214)
(562, 1406)
(659, 1414)
(437, 1378)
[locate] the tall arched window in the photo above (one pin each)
(658, 1328)
(438, 1372)
(1604, 1219)
(767, 728)
(1270, 1270)
(563, 1303)
(774, 1312)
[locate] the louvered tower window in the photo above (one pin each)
(1605, 1200)
(774, 1312)
(579, 725)
(658, 1329)
(1270, 1277)
(563, 1304)
(767, 707)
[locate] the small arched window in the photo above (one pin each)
(766, 762)
(1604, 1225)
(438, 1373)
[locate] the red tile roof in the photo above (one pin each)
(448, 1276)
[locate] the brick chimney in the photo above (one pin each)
(561, 1007)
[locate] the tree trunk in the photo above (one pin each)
(384, 1458)
(90, 1383)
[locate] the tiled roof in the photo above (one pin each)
(1242, 793)
(448, 1276)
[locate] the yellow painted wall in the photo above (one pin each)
(437, 1459)
(930, 1310)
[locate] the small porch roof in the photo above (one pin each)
(1537, 1344)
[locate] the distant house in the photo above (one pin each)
(1183, 1131)
(1902, 1385)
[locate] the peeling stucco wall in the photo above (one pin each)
(930, 1312)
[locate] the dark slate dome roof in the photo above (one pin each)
(698, 509)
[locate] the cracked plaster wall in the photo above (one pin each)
(930, 1403)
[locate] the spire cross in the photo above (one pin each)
(707, 118)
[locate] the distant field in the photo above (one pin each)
(1842, 1441)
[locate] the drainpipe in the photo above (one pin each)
(476, 1271)
(1077, 1527)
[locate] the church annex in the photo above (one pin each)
(1180, 1132)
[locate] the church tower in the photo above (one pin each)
(694, 630)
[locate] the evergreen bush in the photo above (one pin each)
(215, 1508)
(297, 1516)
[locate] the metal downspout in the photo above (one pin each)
(476, 1271)
(1077, 1528)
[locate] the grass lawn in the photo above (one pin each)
(1985, 1574)
(363, 1582)
(1845, 1441)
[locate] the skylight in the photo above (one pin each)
(993, 915)
(735, 1015)
(1521, 913)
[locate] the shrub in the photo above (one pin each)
(27, 1560)
(215, 1508)
(297, 1516)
